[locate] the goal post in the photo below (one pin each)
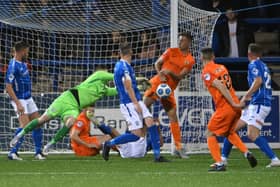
(69, 38)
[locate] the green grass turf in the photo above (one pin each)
(68, 170)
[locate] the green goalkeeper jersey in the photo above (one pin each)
(95, 87)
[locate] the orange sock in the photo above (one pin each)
(214, 148)
(176, 133)
(235, 140)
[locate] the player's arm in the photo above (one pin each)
(225, 92)
(254, 87)
(158, 66)
(128, 87)
(111, 91)
(10, 78)
(75, 137)
(174, 76)
(106, 76)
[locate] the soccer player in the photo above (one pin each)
(171, 67)
(224, 119)
(69, 103)
(132, 107)
(18, 87)
(259, 95)
(83, 144)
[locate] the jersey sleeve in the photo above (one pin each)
(254, 71)
(10, 74)
(165, 56)
(106, 76)
(79, 125)
(190, 62)
(111, 91)
(208, 78)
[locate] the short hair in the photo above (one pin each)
(125, 49)
(186, 34)
(255, 49)
(207, 53)
(20, 46)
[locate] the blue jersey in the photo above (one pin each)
(18, 75)
(121, 69)
(263, 95)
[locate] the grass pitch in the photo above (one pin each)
(68, 170)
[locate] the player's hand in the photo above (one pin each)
(91, 146)
(238, 105)
(20, 108)
(162, 76)
(94, 121)
(138, 108)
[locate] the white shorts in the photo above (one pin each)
(28, 104)
(255, 115)
(134, 120)
(135, 149)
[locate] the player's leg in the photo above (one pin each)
(23, 120)
(37, 133)
(258, 114)
(169, 105)
(227, 146)
(214, 149)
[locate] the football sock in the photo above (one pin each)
(263, 145)
(37, 138)
(124, 138)
(226, 148)
(176, 133)
(155, 140)
(235, 140)
(17, 146)
(60, 134)
(105, 129)
(214, 148)
(149, 143)
(29, 127)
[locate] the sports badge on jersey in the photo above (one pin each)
(255, 71)
(207, 76)
(80, 123)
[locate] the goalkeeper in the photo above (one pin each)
(69, 104)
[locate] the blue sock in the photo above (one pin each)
(105, 129)
(153, 132)
(263, 145)
(226, 148)
(37, 135)
(149, 143)
(124, 138)
(17, 146)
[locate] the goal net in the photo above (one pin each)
(69, 38)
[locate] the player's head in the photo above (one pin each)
(254, 51)
(21, 50)
(185, 40)
(89, 111)
(126, 51)
(207, 54)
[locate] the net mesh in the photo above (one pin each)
(69, 38)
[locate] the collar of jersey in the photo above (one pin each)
(255, 60)
(124, 61)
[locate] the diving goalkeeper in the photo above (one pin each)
(69, 104)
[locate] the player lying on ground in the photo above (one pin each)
(132, 107)
(259, 95)
(171, 67)
(69, 103)
(18, 87)
(227, 113)
(83, 144)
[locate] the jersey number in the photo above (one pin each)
(267, 80)
(225, 79)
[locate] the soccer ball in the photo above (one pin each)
(163, 90)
